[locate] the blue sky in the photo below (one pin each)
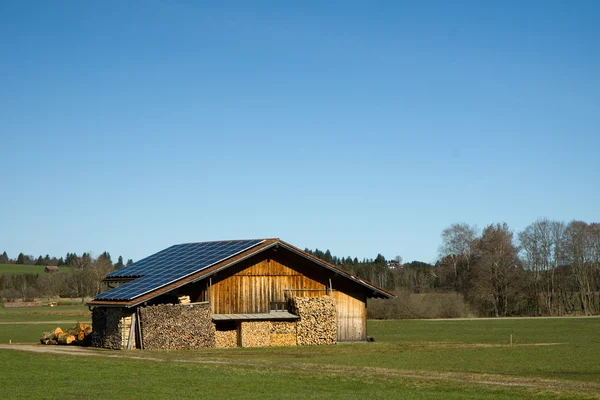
(361, 127)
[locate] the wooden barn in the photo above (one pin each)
(231, 293)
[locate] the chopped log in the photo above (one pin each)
(77, 334)
(50, 335)
(47, 336)
(65, 338)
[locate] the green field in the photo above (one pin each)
(41, 314)
(28, 269)
(550, 358)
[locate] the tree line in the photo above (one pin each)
(84, 279)
(24, 259)
(550, 268)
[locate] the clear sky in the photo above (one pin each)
(362, 127)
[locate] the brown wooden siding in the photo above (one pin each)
(253, 287)
(351, 316)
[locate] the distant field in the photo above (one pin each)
(27, 269)
(550, 358)
(40, 314)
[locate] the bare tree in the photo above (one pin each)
(497, 266)
(541, 245)
(457, 246)
(87, 275)
(581, 246)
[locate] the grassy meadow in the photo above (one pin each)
(410, 359)
(28, 269)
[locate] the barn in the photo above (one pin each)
(248, 293)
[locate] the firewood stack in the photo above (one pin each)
(79, 334)
(227, 338)
(283, 333)
(318, 321)
(176, 327)
(255, 333)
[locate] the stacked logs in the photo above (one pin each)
(283, 333)
(318, 322)
(108, 327)
(79, 334)
(226, 338)
(177, 326)
(255, 333)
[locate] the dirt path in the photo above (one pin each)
(583, 389)
(504, 318)
(39, 322)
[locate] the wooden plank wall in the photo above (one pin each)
(351, 316)
(252, 289)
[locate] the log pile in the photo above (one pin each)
(107, 324)
(80, 334)
(283, 333)
(177, 326)
(226, 338)
(318, 321)
(255, 333)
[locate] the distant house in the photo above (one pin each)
(395, 265)
(50, 269)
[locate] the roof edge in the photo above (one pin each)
(335, 268)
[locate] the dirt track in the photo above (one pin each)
(39, 322)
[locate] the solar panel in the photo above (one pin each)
(170, 265)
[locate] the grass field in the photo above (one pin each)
(550, 358)
(41, 314)
(27, 269)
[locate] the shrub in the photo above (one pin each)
(418, 306)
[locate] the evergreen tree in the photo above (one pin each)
(119, 263)
(129, 262)
(40, 261)
(105, 256)
(4, 258)
(20, 259)
(327, 257)
(70, 258)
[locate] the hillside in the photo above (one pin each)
(27, 269)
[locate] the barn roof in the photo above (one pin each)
(184, 263)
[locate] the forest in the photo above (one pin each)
(551, 268)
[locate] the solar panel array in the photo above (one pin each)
(170, 265)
